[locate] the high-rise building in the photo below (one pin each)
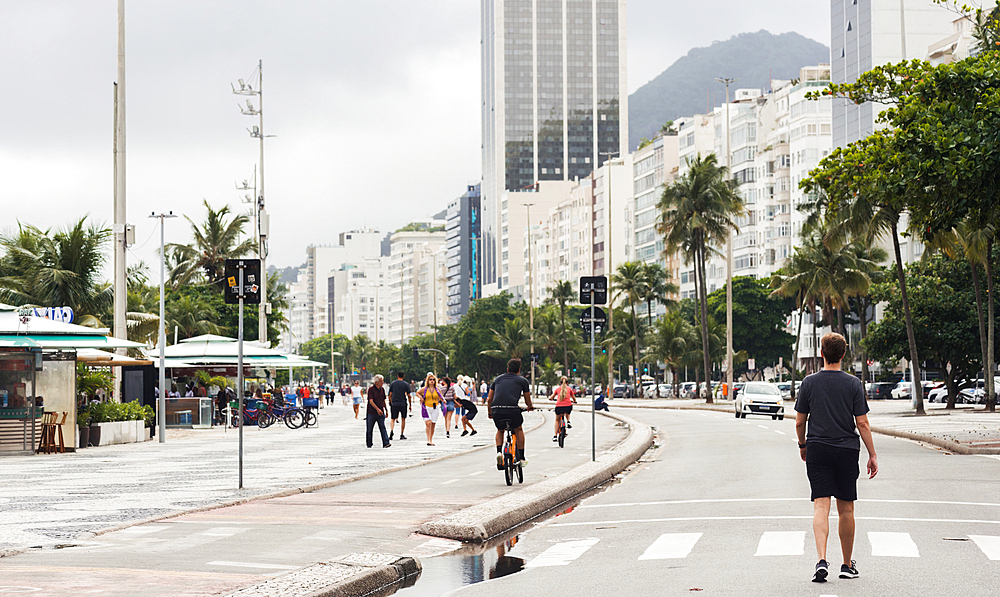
(418, 283)
(869, 33)
(463, 247)
(354, 247)
(554, 107)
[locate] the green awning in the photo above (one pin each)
(67, 342)
(17, 342)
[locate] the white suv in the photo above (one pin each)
(760, 398)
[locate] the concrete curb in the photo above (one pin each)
(353, 575)
(481, 522)
(270, 495)
(941, 443)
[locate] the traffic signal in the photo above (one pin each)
(604, 350)
(416, 354)
(574, 367)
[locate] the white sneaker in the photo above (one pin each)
(499, 461)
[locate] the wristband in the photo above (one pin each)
(802, 446)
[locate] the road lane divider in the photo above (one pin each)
(483, 521)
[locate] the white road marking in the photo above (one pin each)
(693, 518)
(476, 473)
(898, 545)
(450, 482)
(671, 546)
(324, 536)
(252, 565)
(781, 432)
(223, 532)
(144, 530)
(763, 426)
(781, 543)
(421, 490)
(789, 499)
(563, 553)
(989, 544)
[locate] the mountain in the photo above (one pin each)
(683, 89)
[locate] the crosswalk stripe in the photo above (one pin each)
(670, 546)
(989, 544)
(899, 545)
(563, 553)
(223, 531)
(781, 543)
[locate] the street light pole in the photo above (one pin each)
(120, 228)
(161, 403)
(729, 258)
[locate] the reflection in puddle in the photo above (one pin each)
(469, 565)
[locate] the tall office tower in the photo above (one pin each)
(462, 244)
(554, 100)
(869, 33)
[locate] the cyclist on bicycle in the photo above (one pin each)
(565, 398)
(502, 405)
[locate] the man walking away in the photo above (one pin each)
(376, 412)
(400, 401)
(502, 406)
(833, 403)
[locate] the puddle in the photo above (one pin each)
(468, 565)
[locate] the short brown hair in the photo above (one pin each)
(833, 347)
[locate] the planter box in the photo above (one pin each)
(122, 432)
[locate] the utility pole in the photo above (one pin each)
(120, 225)
(729, 259)
(608, 271)
(161, 403)
(263, 220)
(531, 297)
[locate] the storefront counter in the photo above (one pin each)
(189, 412)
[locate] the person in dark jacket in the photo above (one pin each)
(376, 412)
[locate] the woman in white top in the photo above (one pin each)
(357, 396)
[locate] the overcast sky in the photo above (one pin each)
(375, 105)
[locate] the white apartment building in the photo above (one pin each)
(354, 247)
(417, 284)
(360, 299)
(298, 316)
(563, 247)
(515, 209)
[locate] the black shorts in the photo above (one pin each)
(832, 471)
(397, 411)
(564, 410)
(501, 417)
(469, 415)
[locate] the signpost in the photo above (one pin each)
(242, 286)
(593, 291)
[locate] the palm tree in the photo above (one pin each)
(697, 211)
(215, 240)
(561, 294)
(58, 270)
(363, 350)
(866, 260)
(671, 342)
(191, 316)
(512, 339)
(628, 282)
(656, 287)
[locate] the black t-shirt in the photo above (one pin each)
(468, 405)
(398, 391)
(832, 399)
(508, 389)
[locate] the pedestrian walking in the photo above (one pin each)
(431, 405)
(357, 397)
(400, 402)
(484, 389)
(831, 421)
(448, 393)
(375, 413)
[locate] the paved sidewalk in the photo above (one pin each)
(50, 499)
(966, 428)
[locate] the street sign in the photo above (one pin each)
(250, 291)
(534, 358)
(599, 320)
(597, 284)
(751, 364)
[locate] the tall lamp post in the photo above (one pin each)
(729, 257)
(333, 362)
(263, 227)
(608, 269)
(161, 403)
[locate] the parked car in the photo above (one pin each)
(880, 390)
(687, 389)
(938, 394)
(621, 391)
(785, 387)
(737, 386)
(760, 398)
(902, 390)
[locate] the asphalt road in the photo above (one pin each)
(724, 510)
(214, 552)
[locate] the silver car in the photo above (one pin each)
(760, 398)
